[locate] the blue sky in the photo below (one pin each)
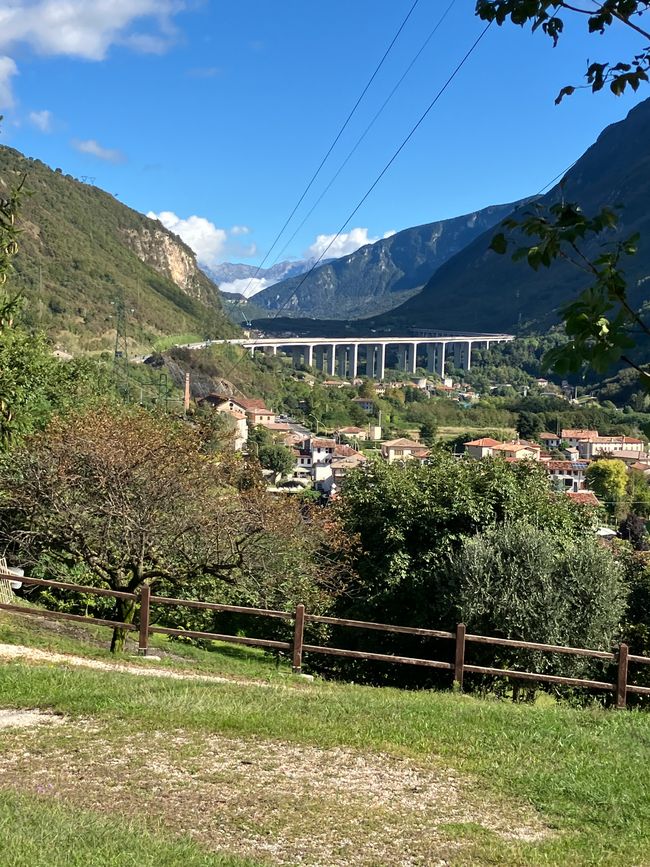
(214, 114)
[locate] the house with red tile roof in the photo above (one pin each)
(585, 498)
(481, 448)
(572, 436)
(403, 449)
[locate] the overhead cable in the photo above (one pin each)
(334, 142)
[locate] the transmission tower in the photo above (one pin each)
(121, 354)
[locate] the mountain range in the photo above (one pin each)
(248, 280)
(378, 276)
(479, 290)
(82, 254)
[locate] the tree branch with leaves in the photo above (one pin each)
(549, 17)
(128, 498)
(601, 323)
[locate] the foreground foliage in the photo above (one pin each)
(412, 521)
(120, 497)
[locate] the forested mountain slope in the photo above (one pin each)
(480, 290)
(381, 275)
(82, 252)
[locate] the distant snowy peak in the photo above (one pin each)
(247, 280)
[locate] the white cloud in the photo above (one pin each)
(7, 70)
(240, 230)
(204, 72)
(42, 120)
(246, 286)
(92, 147)
(82, 28)
(207, 240)
(85, 28)
(346, 243)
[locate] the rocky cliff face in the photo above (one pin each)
(169, 256)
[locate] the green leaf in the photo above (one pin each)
(499, 243)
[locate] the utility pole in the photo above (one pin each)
(121, 354)
(186, 396)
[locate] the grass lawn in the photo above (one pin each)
(449, 432)
(42, 833)
(229, 660)
(284, 772)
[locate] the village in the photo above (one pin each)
(321, 462)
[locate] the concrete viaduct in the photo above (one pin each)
(347, 357)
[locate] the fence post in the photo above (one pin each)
(143, 643)
(621, 683)
(459, 664)
(298, 632)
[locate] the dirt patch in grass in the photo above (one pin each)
(12, 719)
(285, 803)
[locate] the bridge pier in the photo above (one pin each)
(343, 355)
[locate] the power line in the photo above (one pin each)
(390, 162)
(368, 128)
(334, 143)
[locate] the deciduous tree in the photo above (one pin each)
(131, 498)
(607, 478)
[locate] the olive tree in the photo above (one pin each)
(522, 581)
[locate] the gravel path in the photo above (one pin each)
(47, 657)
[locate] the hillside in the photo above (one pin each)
(379, 276)
(81, 250)
(479, 290)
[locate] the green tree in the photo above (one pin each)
(34, 384)
(638, 493)
(607, 478)
(277, 458)
(635, 628)
(633, 529)
(367, 389)
(529, 425)
(428, 432)
(525, 582)
(123, 497)
(258, 438)
(409, 521)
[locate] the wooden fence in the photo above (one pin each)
(460, 638)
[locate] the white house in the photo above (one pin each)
(572, 436)
(567, 475)
(597, 445)
(403, 449)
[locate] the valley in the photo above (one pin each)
(324, 479)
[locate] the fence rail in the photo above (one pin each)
(297, 647)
